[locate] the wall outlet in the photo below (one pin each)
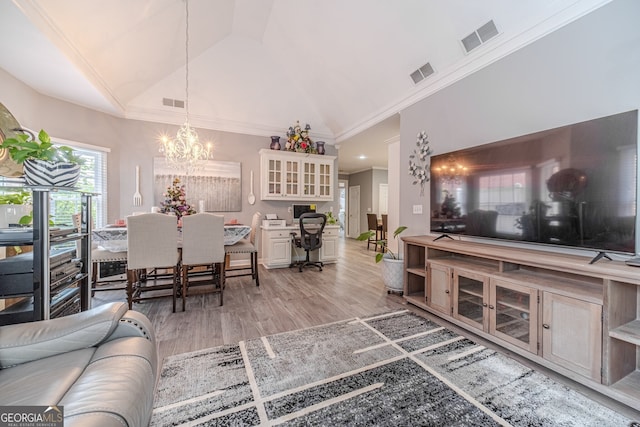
(417, 209)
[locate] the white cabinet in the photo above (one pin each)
(288, 175)
(329, 248)
(278, 252)
(276, 248)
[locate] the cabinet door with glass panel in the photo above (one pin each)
(513, 314)
(470, 298)
(309, 178)
(272, 179)
(291, 177)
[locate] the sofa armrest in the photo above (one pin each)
(25, 342)
(133, 324)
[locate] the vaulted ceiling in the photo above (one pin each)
(256, 67)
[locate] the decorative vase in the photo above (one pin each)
(275, 143)
(320, 147)
(53, 174)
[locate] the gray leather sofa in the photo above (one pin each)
(100, 365)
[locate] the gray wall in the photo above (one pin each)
(134, 142)
(585, 70)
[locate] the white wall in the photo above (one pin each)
(588, 69)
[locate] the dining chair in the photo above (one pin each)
(202, 246)
(372, 225)
(245, 246)
(152, 245)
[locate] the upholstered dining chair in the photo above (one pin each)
(245, 246)
(152, 244)
(372, 225)
(202, 246)
(310, 239)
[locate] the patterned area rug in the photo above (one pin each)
(395, 369)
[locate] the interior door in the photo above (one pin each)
(353, 211)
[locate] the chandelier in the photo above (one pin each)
(185, 151)
(451, 171)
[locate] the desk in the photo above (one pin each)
(114, 239)
(278, 250)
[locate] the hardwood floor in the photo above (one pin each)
(285, 300)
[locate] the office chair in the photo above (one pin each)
(311, 228)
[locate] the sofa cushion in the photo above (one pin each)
(25, 342)
(116, 386)
(44, 381)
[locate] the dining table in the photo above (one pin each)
(114, 238)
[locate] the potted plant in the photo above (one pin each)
(43, 162)
(14, 208)
(392, 264)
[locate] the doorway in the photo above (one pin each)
(353, 212)
(342, 213)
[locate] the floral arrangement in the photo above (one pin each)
(298, 139)
(418, 166)
(175, 201)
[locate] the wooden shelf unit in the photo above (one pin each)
(595, 307)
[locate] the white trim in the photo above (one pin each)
(77, 144)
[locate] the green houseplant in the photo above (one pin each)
(392, 264)
(15, 208)
(44, 163)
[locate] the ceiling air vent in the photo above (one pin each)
(177, 103)
(480, 36)
(422, 73)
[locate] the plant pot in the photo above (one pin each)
(393, 274)
(53, 174)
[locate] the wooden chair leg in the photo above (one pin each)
(254, 262)
(175, 288)
(185, 285)
(131, 277)
(222, 280)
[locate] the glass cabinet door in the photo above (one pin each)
(291, 177)
(470, 298)
(325, 180)
(309, 177)
(514, 314)
(274, 178)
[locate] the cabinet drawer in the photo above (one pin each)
(329, 232)
(277, 234)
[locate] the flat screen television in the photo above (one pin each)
(570, 186)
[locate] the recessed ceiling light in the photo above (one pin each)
(362, 157)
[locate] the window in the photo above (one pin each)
(93, 179)
(505, 193)
(627, 179)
